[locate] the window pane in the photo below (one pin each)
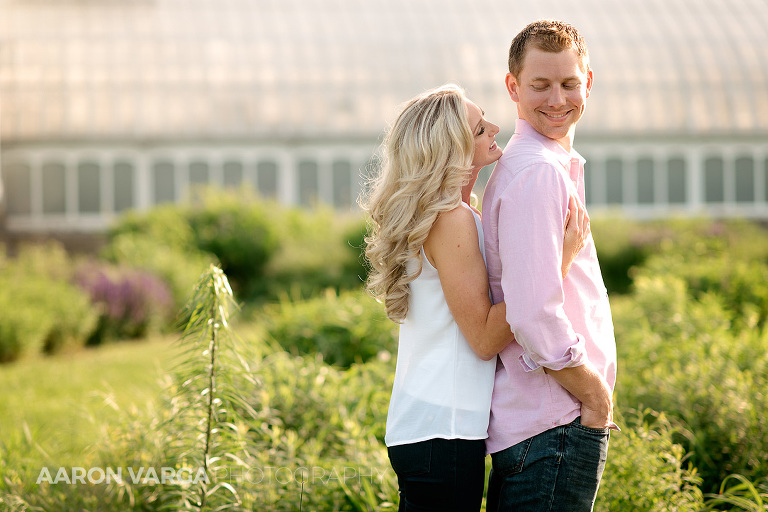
(164, 182)
(713, 180)
(676, 191)
(589, 181)
(17, 188)
(308, 183)
(745, 179)
(765, 180)
(88, 187)
(198, 173)
(233, 174)
(266, 179)
(123, 180)
(645, 181)
(54, 188)
(342, 184)
(614, 180)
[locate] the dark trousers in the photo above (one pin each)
(556, 471)
(440, 475)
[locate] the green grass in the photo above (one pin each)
(62, 401)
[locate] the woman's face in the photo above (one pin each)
(484, 132)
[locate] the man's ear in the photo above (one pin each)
(512, 87)
(590, 79)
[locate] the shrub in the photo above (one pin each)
(131, 303)
(322, 426)
(681, 356)
(741, 285)
(318, 250)
(267, 251)
(22, 331)
(177, 242)
(40, 311)
(240, 231)
(165, 223)
(345, 328)
(622, 245)
(646, 470)
(178, 268)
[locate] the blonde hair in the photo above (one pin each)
(427, 158)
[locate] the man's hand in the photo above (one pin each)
(591, 390)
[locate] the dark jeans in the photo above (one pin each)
(440, 475)
(557, 470)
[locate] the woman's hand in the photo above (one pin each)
(576, 232)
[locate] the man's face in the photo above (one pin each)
(551, 92)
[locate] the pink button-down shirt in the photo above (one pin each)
(558, 323)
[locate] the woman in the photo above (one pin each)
(426, 253)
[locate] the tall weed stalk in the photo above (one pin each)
(208, 429)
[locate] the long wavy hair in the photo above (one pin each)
(426, 159)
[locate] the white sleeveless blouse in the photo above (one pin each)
(442, 389)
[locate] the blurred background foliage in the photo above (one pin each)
(689, 299)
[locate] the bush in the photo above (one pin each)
(346, 328)
(240, 231)
(22, 332)
(646, 470)
(266, 250)
(166, 224)
(680, 355)
(40, 311)
(177, 242)
(131, 303)
(622, 245)
(42, 315)
(178, 268)
(318, 250)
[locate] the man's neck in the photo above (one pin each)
(565, 143)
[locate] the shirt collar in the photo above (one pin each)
(525, 129)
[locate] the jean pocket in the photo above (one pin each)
(411, 459)
(511, 460)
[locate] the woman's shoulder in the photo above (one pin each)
(455, 223)
(454, 233)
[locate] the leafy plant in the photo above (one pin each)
(739, 493)
(318, 250)
(345, 328)
(208, 380)
(239, 230)
(646, 469)
(680, 355)
(131, 303)
(40, 314)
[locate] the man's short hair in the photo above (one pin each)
(550, 36)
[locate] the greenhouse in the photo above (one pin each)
(111, 105)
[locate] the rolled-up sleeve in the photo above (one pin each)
(531, 223)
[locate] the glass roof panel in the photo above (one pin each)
(340, 69)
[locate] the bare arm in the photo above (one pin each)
(452, 247)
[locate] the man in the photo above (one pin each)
(552, 409)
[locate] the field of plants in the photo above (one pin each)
(224, 356)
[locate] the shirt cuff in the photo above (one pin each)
(575, 355)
